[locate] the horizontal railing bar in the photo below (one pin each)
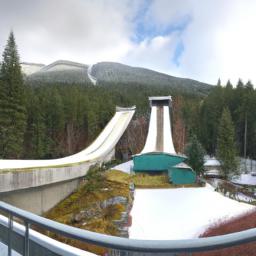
(136, 245)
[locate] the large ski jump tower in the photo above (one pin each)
(158, 153)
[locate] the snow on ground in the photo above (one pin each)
(245, 198)
(180, 213)
(124, 167)
(245, 179)
(30, 68)
(247, 165)
(91, 77)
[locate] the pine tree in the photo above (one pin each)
(226, 147)
(249, 85)
(240, 84)
(229, 85)
(12, 103)
(219, 82)
(211, 110)
(195, 154)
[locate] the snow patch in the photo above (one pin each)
(30, 68)
(124, 167)
(92, 78)
(61, 65)
(245, 179)
(180, 213)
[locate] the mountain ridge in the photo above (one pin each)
(65, 71)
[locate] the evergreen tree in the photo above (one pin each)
(226, 148)
(12, 103)
(229, 85)
(240, 84)
(249, 85)
(195, 154)
(210, 111)
(219, 82)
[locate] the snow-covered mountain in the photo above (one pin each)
(108, 73)
(61, 71)
(30, 68)
(119, 73)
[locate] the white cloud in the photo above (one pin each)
(219, 40)
(153, 53)
(86, 31)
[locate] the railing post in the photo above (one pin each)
(26, 239)
(10, 227)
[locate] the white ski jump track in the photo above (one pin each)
(102, 146)
(151, 142)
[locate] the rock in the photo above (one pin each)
(113, 201)
(94, 211)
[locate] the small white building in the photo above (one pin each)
(212, 167)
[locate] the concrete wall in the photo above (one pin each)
(40, 199)
(38, 190)
(23, 179)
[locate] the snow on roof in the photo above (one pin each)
(212, 162)
(213, 172)
(160, 98)
(183, 165)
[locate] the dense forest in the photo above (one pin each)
(241, 103)
(49, 120)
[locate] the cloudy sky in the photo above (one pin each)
(199, 39)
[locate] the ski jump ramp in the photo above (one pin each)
(158, 153)
(101, 147)
(37, 185)
(159, 137)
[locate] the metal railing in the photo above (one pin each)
(116, 243)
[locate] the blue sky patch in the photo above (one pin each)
(177, 53)
(145, 30)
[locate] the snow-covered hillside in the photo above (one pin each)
(61, 71)
(91, 77)
(30, 68)
(61, 65)
(110, 73)
(119, 73)
(180, 213)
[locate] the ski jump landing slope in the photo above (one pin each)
(102, 146)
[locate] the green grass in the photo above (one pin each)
(95, 189)
(144, 180)
(141, 180)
